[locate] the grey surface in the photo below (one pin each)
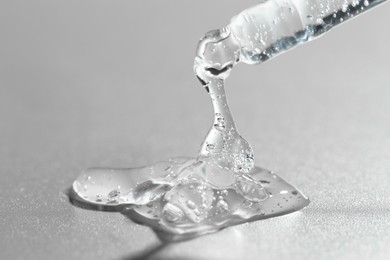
(110, 83)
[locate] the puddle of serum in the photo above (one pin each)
(183, 198)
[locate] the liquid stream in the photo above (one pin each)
(186, 197)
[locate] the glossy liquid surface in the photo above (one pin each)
(182, 198)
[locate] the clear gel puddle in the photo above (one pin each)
(187, 197)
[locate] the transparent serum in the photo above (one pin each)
(186, 197)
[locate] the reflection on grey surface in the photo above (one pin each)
(76, 80)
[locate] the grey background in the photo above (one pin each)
(110, 83)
